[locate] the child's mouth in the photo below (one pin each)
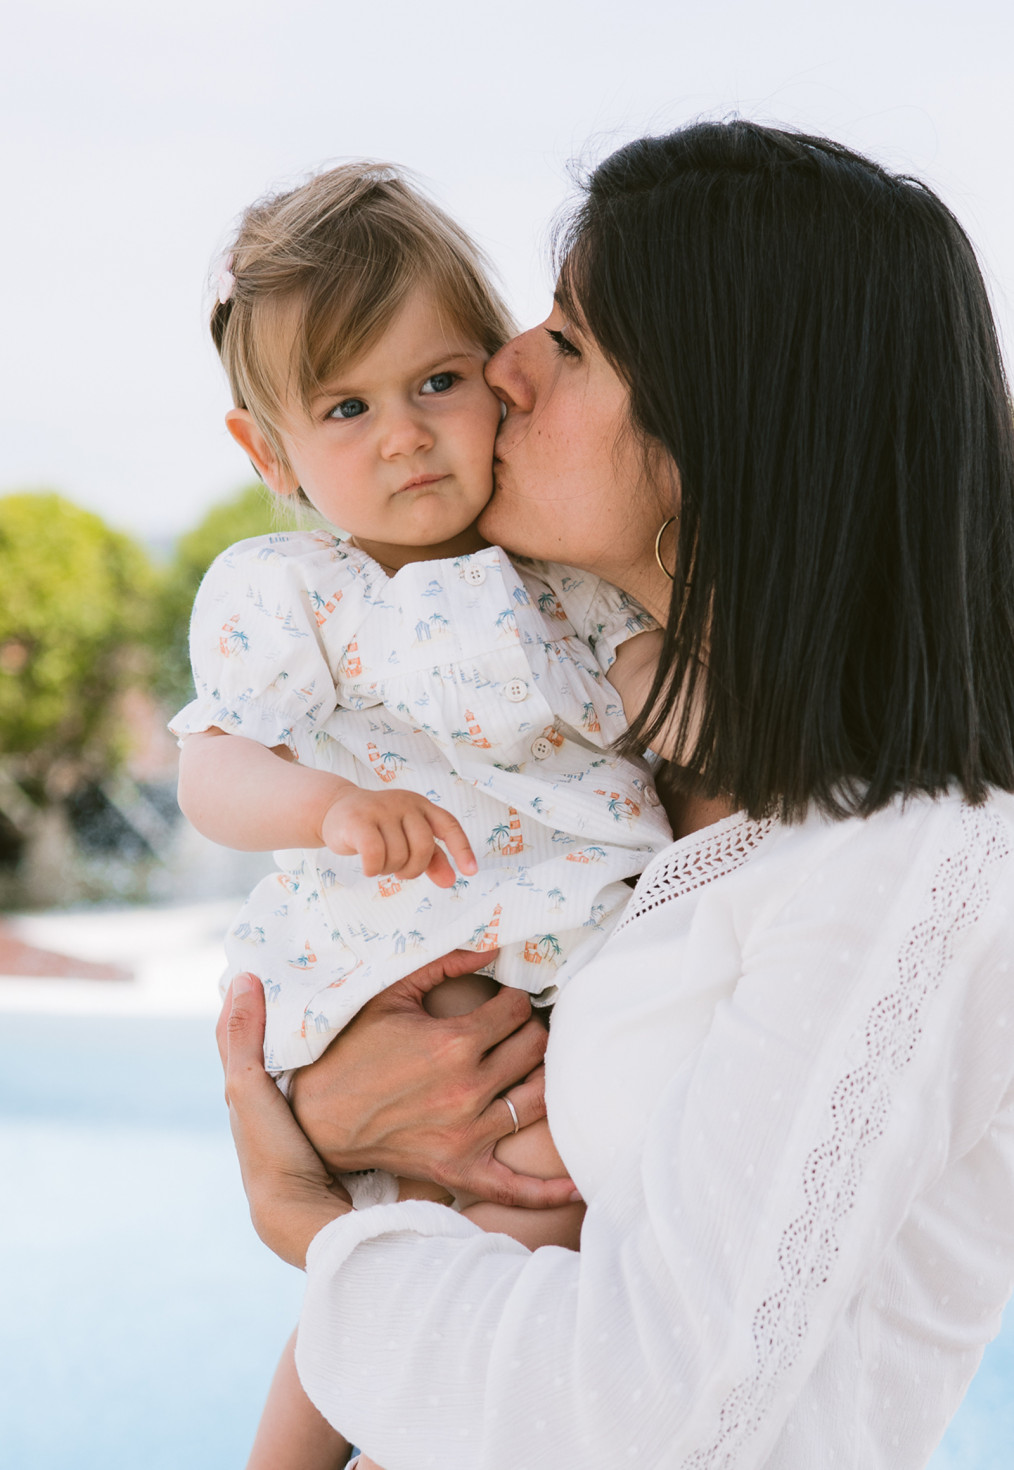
(421, 480)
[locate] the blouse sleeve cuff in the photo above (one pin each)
(332, 1246)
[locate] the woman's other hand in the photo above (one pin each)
(421, 1096)
(291, 1194)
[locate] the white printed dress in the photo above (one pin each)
(465, 680)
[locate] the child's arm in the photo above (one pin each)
(633, 670)
(292, 1434)
(245, 795)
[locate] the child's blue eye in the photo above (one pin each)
(349, 408)
(439, 382)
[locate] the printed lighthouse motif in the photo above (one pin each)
(475, 735)
(506, 836)
(350, 662)
(488, 937)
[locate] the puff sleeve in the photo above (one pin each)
(260, 665)
(602, 615)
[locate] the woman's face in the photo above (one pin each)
(569, 474)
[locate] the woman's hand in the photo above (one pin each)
(291, 1194)
(402, 1090)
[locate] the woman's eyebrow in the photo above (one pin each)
(570, 311)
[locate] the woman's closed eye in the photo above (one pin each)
(349, 408)
(564, 346)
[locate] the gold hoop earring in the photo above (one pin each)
(658, 546)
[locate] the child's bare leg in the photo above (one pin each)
(292, 1434)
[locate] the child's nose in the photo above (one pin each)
(405, 431)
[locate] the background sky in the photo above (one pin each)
(132, 136)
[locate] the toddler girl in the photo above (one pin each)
(378, 700)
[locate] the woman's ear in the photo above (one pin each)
(258, 450)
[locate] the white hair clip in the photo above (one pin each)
(225, 281)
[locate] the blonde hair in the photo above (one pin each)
(331, 262)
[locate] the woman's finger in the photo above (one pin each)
(291, 1193)
(409, 991)
(507, 1065)
(527, 1098)
(493, 1181)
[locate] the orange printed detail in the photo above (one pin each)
(383, 769)
(552, 734)
(226, 636)
(323, 610)
(351, 665)
(476, 737)
(620, 806)
(488, 938)
(545, 949)
(506, 836)
(388, 886)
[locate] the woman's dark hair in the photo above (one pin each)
(809, 339)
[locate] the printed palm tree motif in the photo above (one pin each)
(620, 807)
(475, 735)
(305, 961)
(323, 606)
(385, 765)
(537, 804)
(438, 621)
(506, 837)
(507, 622)
(557, 898)
(458, 887)
(350, 663)
(272, 990)
(587, 855)
(230, 641)
(415, 938)
(594, 919)
(487, 935)
(549, 606)
(544, 950)
(590, 719)
(388, 886)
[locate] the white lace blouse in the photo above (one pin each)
(785, 1087)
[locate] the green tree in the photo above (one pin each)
(76, 606)
(252, 512)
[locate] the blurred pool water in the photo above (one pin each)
(140, 1318)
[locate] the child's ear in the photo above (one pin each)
(258, 450)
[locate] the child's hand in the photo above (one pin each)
(396, 832)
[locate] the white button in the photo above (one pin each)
(474, 574)
(541, 748)
(651, 796)
(516, 691)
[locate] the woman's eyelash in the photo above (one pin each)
(563, 344)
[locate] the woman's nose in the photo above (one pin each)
(508, 374)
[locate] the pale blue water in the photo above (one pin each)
(140, 1318)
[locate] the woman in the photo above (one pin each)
(769, 403)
